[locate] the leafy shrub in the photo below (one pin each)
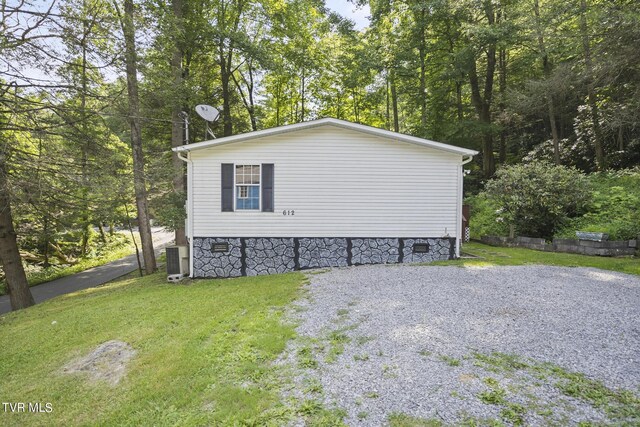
(485, 220)
(614, 208)
(538, 198)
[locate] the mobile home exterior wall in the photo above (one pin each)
(328, 183)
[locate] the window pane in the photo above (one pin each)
(247, 174)
(255, 174)
(239, 175)
(254, 191)
(244, 192)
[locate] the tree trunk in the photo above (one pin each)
(483, 109)
(388, 105)
(139, 183)
(459, 101)
(177, 131)
(103, 236)
(84, 141)
(302, 95)
(394, 102)
(252, 106)
(482, 102)
(621, 138)
(502, 65)
(45, 250)
(278, 92)
(593, 106)
(225, 77)
(546, 67)
(17, 285)
(247, 100)
(422, 51)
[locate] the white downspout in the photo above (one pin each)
(460, 232)
(189, 206)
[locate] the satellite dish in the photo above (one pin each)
(207, 112)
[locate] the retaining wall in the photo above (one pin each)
(252, 256)
(575, 246)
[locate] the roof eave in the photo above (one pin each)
(320, 122)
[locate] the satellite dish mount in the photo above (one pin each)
(210, 115)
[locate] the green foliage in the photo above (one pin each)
(551, 201)
(618, 404)
(451, 361)
(337, 339)
(538, 198)
(485, 217)
(403, 420)
(306, 358)
(169, 210)
(614, 207)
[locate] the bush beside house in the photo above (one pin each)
(547, 201)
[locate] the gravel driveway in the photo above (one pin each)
(536, 345)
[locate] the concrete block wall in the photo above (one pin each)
(575, 246)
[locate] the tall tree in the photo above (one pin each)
(180, 73)
(140, 186)
(17, 285)
(590, 80)
(482, 98)
(546, 67)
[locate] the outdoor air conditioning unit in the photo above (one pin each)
(177, 262)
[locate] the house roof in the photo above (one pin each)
(327, 122)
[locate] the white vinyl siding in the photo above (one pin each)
(337, 182)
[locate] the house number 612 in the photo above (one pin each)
(286, 212)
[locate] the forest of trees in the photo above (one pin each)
(92, 94)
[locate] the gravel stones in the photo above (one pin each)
(419, 338)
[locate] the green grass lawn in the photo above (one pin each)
(204, 353)
(491, 255)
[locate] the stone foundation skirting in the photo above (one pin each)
(252, 256)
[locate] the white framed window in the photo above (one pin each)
(247, 186)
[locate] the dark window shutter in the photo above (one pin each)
(267, 187)
(227, 187)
